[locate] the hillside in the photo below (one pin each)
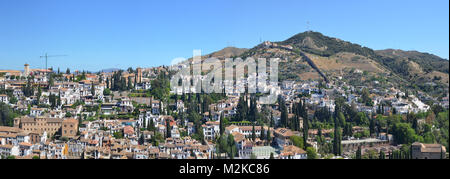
(428, 62)
(318, 44)
(408, 70)
(227, 52)
(314, 56)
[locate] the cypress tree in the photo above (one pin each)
(284, 115)
(130, 84)
(336, 141)
(382, 155)
(93, 89)
(358, 153)
(305, 125)
(107, 83)
(253, 132)
(151, 125)
(168, 133)
(319, 133)
(263, 133)
(222, 125)
(372, 127)
(271, 119)
(141, 140)
(58, 102)
(135, 80)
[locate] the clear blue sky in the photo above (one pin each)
(100, 34)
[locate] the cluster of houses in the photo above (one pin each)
(73, 128)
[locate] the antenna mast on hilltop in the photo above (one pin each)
(46, 56)
(307, 26)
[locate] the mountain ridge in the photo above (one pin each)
(312, 55)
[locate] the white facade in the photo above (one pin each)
(4, 99)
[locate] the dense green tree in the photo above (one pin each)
(365, 96)
(28, 88)
(160, 86)
(227, 145)
(311, 153)
(118, 135)
(319, 135)
(130, 70)
(297, 141)
(348, 131)
(7, 115)
(341, 119)
(358, 153)
(361, 119)
(106, 92)
(13, 100)
(403, 133)
(241, 111)
(382, 155)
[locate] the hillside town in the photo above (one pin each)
(133, 114)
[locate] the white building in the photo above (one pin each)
(211, 130)
(4, 98)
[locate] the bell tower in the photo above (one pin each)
(26, 71)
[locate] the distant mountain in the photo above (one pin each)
(109, 70)
(227, 52)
